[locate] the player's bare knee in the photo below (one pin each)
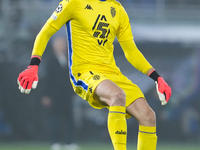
(118, 98)
(147, 117)
(150, 117)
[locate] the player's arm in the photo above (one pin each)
(136, 58)
(42, 39)
(29, 77)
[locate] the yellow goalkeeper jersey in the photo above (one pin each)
(92, 26)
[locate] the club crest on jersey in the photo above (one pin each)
(113, 11)
(96, 77)
(59, 8)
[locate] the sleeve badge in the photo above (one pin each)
(59, 8)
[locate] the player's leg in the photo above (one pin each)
(147, 138)
(108, 93)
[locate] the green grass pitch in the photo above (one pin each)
(95, 146)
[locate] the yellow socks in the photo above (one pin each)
(147, 139)
(117, 127)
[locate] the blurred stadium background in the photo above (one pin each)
(166, 31)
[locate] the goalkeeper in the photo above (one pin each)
(91, 29)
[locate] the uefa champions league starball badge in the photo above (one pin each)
(59, 8)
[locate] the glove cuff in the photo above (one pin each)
(154, 75)
(35, 60)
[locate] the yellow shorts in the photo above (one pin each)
(86, 82)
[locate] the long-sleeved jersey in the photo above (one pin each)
(92, 26)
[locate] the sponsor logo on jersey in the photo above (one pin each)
(113, 11)
(120, 132)
(89, 7)
(101, 29)
(59, 8)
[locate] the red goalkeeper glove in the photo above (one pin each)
(163, 89)
(29, 77)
